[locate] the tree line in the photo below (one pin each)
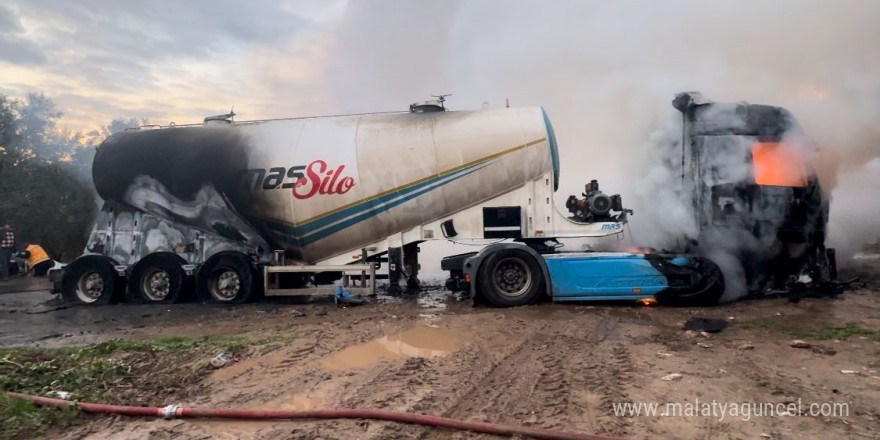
(46, 189)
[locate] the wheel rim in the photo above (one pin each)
(156, 284)
(511, 277)
(90, 287)
(226, 285)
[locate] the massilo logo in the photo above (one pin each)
(304, 181)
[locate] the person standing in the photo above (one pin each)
(7, 247)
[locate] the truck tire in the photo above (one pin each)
(706, 293)
(91, 280)
(157, 279)
(509, 278)
(226, 278)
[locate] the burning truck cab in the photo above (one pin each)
(748, 171)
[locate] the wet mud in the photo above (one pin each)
(548, 365)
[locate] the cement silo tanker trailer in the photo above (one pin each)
(223, 207)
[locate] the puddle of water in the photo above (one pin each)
(421, 341)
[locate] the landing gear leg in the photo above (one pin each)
(411, 265)
(395, 261)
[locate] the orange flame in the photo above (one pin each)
(778, 164)
(647, 301)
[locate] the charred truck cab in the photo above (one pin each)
(748, 172)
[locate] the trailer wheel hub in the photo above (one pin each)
(156, 285)
(90, 287)
(228, 285)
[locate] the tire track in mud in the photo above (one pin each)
(781, 386)
(428, 386)
(529, 385)
(603, 377)
(400, 386)
(558, 375)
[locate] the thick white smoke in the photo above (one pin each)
(856, 203)
(607, 71)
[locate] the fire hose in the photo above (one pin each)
(176, 411)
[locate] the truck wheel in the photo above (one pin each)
(156, 279)
(226, 278)
(90, 281)
(707, 292)
(510, 277)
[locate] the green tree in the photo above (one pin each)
(9, 137)
(41, 194)
(46, 190)
(37, 120)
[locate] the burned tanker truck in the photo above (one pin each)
(747, 171)
(232, 210)
(235, 210)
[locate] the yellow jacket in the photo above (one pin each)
(37, 255)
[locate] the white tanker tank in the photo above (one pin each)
(179, 199)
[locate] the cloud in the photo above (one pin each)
(605, 71)
(16, 49)
(181, 58)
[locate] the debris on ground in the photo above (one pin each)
(830, 289)
(59, 394)
(746, 346)
(344, 298)
(708, 325)
(46, 307)
(798, 343)
(297, 313)
(221, 360)
(704, 345)
(673, 376)
(818, 349)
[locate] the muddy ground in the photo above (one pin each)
(549, 365)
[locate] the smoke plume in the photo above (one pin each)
(607, 71)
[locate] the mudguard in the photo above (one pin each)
(472, 264)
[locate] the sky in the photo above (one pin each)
(605, 71)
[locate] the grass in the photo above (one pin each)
(107, 372)
(823, 333)
(233, 344)
(846, 331)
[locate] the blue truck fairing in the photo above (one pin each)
(603, 276)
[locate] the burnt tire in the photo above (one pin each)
(707, 292)
(91, 280)
(157, 279)
(226, 278)
(510, 278)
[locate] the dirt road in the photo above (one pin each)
(553, 366)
